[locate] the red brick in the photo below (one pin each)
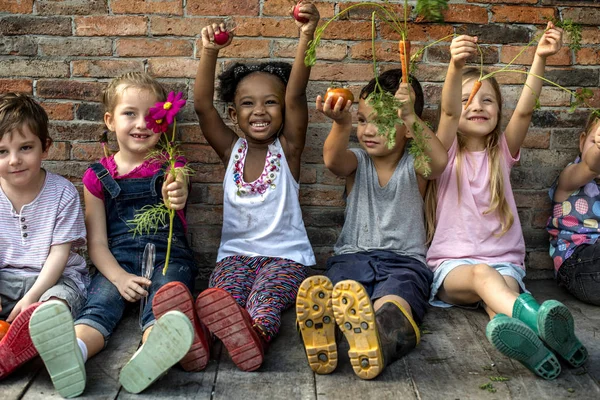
(588, 56)
(200, 153)
(421, 32)
(174, 26)
(75, 131)
(33, 68)
(71, 90)
(348, 30)
(582, 15)
(284, 8)
(308, 175)
(365, 12)
(504, 1)
(199, 214)
(507, 53)
(128, 25)
(153, 47)
(191, 134)
(594, 101)
(571, 3)
(74, 46)
(70, 7)
(266, 27)
(536, 199)
(384, 51)
(342, 72)
(554, 97)
(59, 111)
(326, 177)
(314, 195)
(537, 139)
(244, 48)
(30, 25)
(523, 14)
(590, 35)
(86, 151)
(105, 68)
(208, 173)
(173, 7)
(59, 151)
(327, 50)
(18, 46)
(16, 85)
(466, 13)
(16, 6)
(237, 7)
(172, 67)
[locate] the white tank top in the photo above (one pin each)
(263, 218)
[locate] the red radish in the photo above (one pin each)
(297, 16)
(221, 37)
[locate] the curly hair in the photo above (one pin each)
(390, 82)
(18, 109)
(232, 76)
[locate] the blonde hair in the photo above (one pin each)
(138, 80)
(591, 123)
(498, 203)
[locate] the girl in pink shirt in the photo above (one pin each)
(477, 253)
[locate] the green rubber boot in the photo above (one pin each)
(398, 332)
(516, 340)
(557, 329)
(526, 309)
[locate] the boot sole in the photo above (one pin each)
(53, 334)
(168, 342)
(176, 296)
(221, 314)
(355, 316)
(516, 340)
(315, 318)
(16, 346)
(557, 329)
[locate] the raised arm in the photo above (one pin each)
(461, 48)
(338, 159)
(549, 44)
(296, 107)
(216, 132)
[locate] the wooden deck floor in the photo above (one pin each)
(452, 362)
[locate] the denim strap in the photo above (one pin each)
(109, 184)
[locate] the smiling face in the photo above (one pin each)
(21, 156)
(258, 107)
(373, 143)
(482, 115)
(128, 121)
(587, 138)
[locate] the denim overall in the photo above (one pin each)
(105, 305)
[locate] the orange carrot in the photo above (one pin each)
(476, 87)
(404, 47)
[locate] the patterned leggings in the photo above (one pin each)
(265, 286)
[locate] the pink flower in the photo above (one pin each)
(163, 113)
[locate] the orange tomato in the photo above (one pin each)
(336, 93)
(3, 328)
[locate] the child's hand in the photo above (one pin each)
(175, 192)
(406, 95)
(550, 42)
(219, 30)
(339, 112)
(131, 287)
(461, 48)
(25, 302)
(310, 12)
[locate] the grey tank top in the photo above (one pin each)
(387, 218)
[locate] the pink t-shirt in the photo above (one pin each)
(144, 170)
(463, 230)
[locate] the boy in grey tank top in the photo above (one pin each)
(379, 272)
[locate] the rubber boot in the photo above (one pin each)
(516, 340)
(355, 316)
(398, 333)
(314, 315)
(553, 323)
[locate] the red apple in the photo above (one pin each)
(297, 14)
(221, 37)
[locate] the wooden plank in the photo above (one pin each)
(449, 362)
(103, 369)
(524, 384)
(393, 383)
(18, 382)
(285, 373)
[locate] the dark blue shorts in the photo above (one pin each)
(385, 273)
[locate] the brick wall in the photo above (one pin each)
(65, 51)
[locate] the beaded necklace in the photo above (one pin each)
(264, 181)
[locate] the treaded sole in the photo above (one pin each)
(316, 321)
(16, 347)
(176, 296)
(355, 316)
(557, 330)
(516, 340)
(168, 342)
(53, 334)
(221, 314)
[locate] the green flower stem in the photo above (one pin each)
(172, 158)
(170, 240)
